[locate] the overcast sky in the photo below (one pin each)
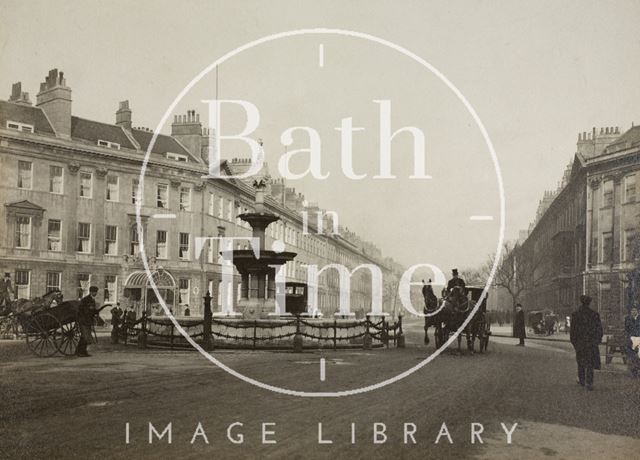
(537, 73)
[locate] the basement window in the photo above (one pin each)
(177, 157)
(20, 126)
(108, 144)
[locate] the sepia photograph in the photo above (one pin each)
(295, 229)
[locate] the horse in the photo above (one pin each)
(29, 306)
(433, 317)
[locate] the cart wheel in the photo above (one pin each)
(41, 334)
(68, 339)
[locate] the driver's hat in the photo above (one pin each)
(454, 271)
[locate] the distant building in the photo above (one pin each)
(580, 240)
(68, 189)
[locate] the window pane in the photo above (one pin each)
(85, 185)
(24, 174)
(53, 281)
(161, 244)
(23, 232)
(111, 240)
(162, 196)
(184, 246)
(112, 188)
(134, 247)
(607, 193)
(185, 199)
(84, 283)
(630, 189)
(23, 284)
(54, 241)
(84, 237)
(110, 288)
(55, 179)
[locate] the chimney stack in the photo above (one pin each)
(123, 115)
(188, 130)
(18, 96)
(55, 99)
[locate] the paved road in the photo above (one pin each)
(78, 408)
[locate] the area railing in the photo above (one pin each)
(297, 332)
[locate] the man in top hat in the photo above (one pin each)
(455, 281)
(585, 335)
(86, 311)
(6, 290)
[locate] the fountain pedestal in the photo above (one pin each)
(258, 269)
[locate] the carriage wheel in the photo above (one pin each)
(41, 334)
(68, 339)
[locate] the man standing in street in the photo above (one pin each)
(632, 329)
(519, 330)
(86, 311)
(6, 291)
(116, 319)
(586, 334)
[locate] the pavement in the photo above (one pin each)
(79, 407)
(507, 331)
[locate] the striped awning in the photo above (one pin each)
(140, 279)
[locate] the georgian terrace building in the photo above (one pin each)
(583, 238)
(68, 189)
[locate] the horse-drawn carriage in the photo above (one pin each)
(449, 314)
(48, 323)
(542, 322)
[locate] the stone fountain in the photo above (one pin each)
(258, 287)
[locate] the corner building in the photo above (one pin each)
(585, 236)
(69, 186)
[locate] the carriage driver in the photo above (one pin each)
(86, 311)
(456, 281)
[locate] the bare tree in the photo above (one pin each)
(519, 270)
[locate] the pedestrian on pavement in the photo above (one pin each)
(116, 319)
(131, 316)
(586, 334)
(519, 330)
(86, 311)
(632, 329)
(6, 291)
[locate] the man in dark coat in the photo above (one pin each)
(519, 330)
(116, 319)
(455, 281)
(86, 311)
(632, 329)
(586, 334)
(6, 291)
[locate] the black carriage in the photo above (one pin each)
(295, 297)
(482, 325)
(542, 322)
(51, 330)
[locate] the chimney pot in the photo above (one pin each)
(54, 99)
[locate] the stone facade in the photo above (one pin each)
(68, 189)
(582, 238)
